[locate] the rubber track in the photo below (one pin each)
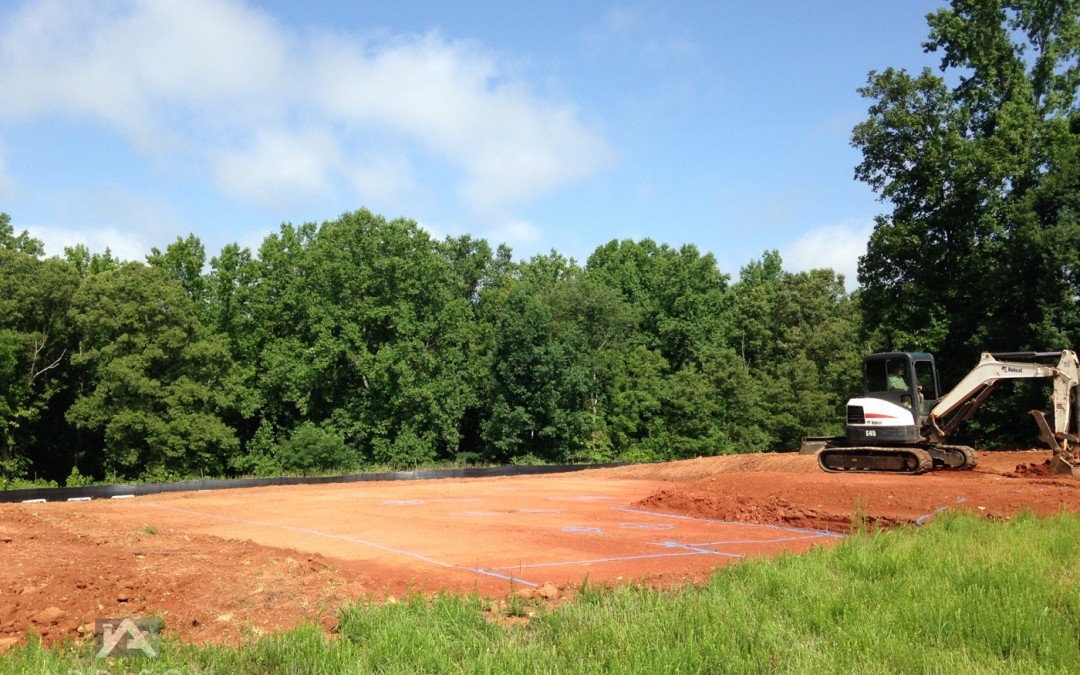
(875, 459)
(969, 458)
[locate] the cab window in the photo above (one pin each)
(880, 371)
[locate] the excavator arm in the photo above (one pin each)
(965, 398)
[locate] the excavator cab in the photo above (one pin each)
(885, 427)
(907, 379)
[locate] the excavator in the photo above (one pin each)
(902, 425)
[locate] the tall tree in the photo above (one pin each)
(272, 288)
(364, 330)
(35, 342)
(227, 310)
(798, 336)
(86, 263)
(22, 242)
(475, 272)
(979, 164)
(229, 288)
(184, 260)
(539, 378)
(695, 396)
(678, 295)
(159, 382)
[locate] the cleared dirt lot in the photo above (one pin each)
(219, 566)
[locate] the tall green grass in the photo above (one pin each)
(960, 595)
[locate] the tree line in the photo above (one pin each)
(363, 341)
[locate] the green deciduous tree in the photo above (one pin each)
(35, 339)
(396, 330)
(979, 164)
(363, 340)
(86, 263)
(540, 378)
(798, 335)
(311, 448)
(364, 327)
(22, 242)
(695, 395)
(678, 295)
(158, 383)
(184, 260)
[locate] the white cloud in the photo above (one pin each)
(836, 247)
(449, 98)
(279, 115)
(380, 177)
(120, 242)
(7, 183)
(279, 167)
(136, 64)
(127, 224)
(520, 235)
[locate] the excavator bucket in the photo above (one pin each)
(1060, 466)
(1065, 461)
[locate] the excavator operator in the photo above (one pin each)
(896, 379)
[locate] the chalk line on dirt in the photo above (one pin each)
(363, 542)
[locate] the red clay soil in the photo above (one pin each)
(224, 566)
(791, 490)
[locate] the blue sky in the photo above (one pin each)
(555, 125)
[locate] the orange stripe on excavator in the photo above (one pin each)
(880, 416)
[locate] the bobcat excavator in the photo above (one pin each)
(900, 425)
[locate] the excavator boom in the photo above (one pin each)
(959, 404)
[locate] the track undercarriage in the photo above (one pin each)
(912, 460)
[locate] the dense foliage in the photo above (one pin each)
(981, 166)
(364, 341)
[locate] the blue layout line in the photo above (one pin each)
(921, 520)
(782, 528)
(743, 542)
(696, 548)
(564, 563)
(680, 548)
(354, 540)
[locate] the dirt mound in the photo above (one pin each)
(63, 565)
(1032, 470)
(701, 467)
(807, 497)
(742, 508)
(996, 461)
